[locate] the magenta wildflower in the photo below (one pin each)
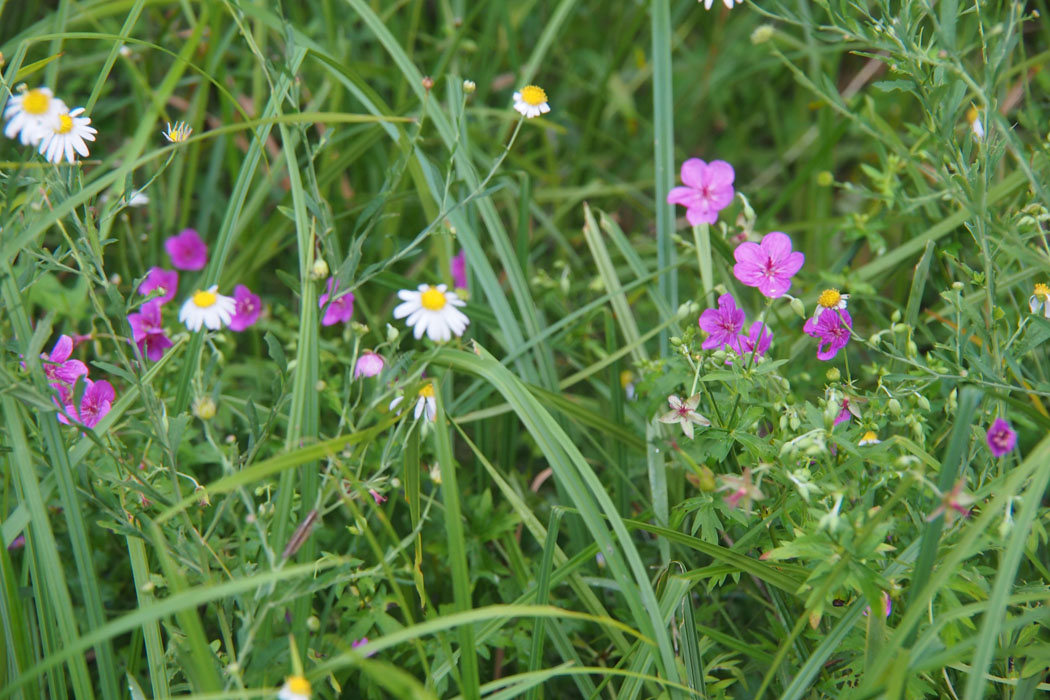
(1001, 437)
(832, 328)
(708, 190)
(187, 250)
(742, 491)
(756, 340)
(247, 310)
(887, 605)
(167, 281)
(769, 265)
(458, 269)
(377, 497)
(369, 364)
(58, 367)
(147, 331)
(723, 325)
(846, 412)
(360, 643)
(341, 308)
(94, 404)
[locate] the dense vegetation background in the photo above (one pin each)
(249, 510)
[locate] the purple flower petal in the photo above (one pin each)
(167, 281)
(187, 250)
(247, 310)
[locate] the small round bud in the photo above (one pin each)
(825, 178)
(675, 341)
(204, 408)
(114, 278)
(358, 328)
(313, 623)
(894, 407)
(922, 402)
(469, 87)
(233, 668)
(148, 587)
(428, 83)
(833, 374)
(320, 385)
(391, 333)
(900, 328)
(762, 34)
(957, 285)
(319, 270)
(896, 316)
(911, 349)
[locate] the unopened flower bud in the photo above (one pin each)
(900, 328)
(313, 623)
(204, 408)
(894, 407)
(684, 311)
(833, 374)
(319, 271)
(202, 497)
(957, 285)
(896, 316)
(428, 83)
(798, 307)
(706, 480)
(469, 87)
(911, 349)
(391, 333)
(320, 385)
(952, 404)
(922, 402)
(825, 178)
(358, 328)
(762, 34)
(675, 341)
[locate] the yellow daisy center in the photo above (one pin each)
(972, 114)
(65, 124)
(203, 300)
(433, 299)
(427, 392)
(36, 102)
(626, 377)
(533, 95)
(869, 436)
(297, 685)
(1042, 291)
(829, 298)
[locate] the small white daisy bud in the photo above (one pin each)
(469, 87)
(204, 408)
(125, 50)
(435, 474)
(230, 439)
(114, 278)
(319, 271)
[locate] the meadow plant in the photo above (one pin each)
(478, 416)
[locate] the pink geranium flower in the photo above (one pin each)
(369, 364)
(342, 307)
(708, 190)
(756, 340)
(187, 250)
(58, 367)
(147, 331)
(846, 412)
(1001, 437)
(95, 403)
(832, 328)
(248, 308)
(458, 267)
(723, 325)
(167, 281)
(769, 265)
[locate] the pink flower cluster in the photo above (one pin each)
(187, 252)
(95, 401)
(725, 329)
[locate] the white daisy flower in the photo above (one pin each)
(177, 133)
(531, 101)
(727, 3)
(974, 117)
(432, 310)
(294, 688)
(67, 133)
(1040, 299)
(426, 404)
(207, 308)
(829, 299)
(869, 438)
(28, 113)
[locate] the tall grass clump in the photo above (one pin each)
(537, 349)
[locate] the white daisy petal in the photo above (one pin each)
(432, 310)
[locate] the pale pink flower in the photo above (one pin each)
(768, 265)
(708, 189)
(741, 490)
(684, 413)
(369, 364)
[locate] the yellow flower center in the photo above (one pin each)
(297, 685)
(829, 298)
(427, 392)
(626, 377)
(869, 436)
(533, 96)
(972, 114)
(36, 102)
(432, 299)
(65, 124)
(1042, 291)
(203, 300)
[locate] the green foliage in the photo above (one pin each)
(250, 508)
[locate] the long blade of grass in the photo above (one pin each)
(663, 152)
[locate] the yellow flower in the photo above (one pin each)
(178, 133)
(294, 688)
(869, 438)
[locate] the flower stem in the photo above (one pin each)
(702, 241)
